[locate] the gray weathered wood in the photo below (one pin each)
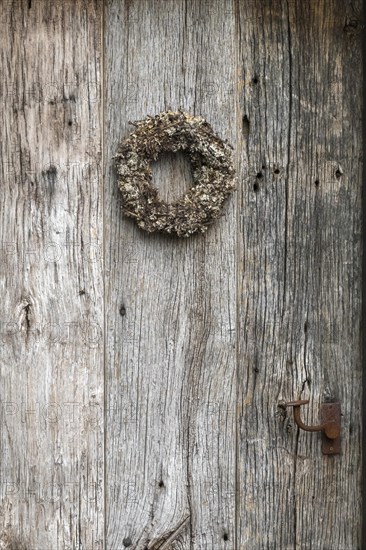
(188, 348)
(51, 348)
(171, 354)
(300, 288)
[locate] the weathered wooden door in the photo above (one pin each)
(143, 377)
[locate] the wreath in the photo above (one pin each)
(212, 171)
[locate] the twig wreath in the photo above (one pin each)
(212, 171)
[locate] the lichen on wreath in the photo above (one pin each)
(212, 171)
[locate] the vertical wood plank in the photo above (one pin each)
(171, 302)
(51, 349)
(324, 261)
(300, 286)
(265, 512)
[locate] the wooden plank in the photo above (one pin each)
(300, 288)
(171, 303)
(265, 474)
(51, 349)
(330, 269)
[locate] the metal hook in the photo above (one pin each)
(330, 426)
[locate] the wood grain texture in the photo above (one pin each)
(300, 286)
(183, 350)
(51, 349)
(171, 353)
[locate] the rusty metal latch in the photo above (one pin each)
(330, 424)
